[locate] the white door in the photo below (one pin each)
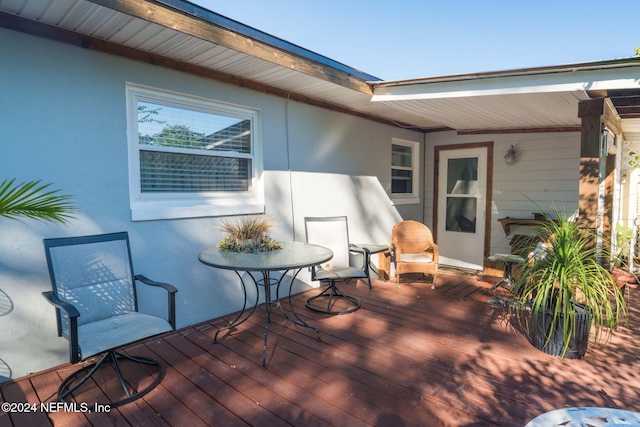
(462, 186)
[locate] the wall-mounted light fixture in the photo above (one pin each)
(608, 142)
(510, 157)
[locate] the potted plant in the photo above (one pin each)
(622, 258)
(247, 234)
(34, 200)
(563, 290)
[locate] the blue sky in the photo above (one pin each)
(410, 39)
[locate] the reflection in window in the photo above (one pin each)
(191, 156)
(401, 169)
(462, 193)
(182, 144)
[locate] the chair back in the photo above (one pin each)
(94, 273)
(332, 233)
(411, 237)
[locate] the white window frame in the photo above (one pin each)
(146, 206)
(414, 196)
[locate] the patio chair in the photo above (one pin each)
(413, 250)
(94, 292)
(333, 233)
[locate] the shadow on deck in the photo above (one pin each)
(411, 356)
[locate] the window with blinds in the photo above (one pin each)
(189, 148)
(401, 169)
(183, 150)
(404, 171)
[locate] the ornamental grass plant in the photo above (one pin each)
(247, 234)
(565, 276)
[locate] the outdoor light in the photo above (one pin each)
(608, 142)
(510, 157)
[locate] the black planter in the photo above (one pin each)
(545, 327)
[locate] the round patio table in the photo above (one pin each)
(292, 256)
(586, 416)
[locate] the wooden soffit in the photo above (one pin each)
(204, 29)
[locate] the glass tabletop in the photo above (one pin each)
(372, 248)
(292, 255)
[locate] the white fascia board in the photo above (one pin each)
(576, 81)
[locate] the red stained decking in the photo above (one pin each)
(410, 357)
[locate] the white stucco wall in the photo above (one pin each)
(63, 121)
(546, 172)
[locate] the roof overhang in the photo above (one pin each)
(517, 100)
(180, 35)
(183, 36)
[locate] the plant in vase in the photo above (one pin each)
(247, 234)
(564, 290)
(622, 259)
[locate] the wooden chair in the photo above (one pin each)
(412, 250)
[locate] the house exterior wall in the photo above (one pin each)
(63, 120)
(630, 181)
(546, 174)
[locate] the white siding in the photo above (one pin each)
(546, 174)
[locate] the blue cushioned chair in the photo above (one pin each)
(94, 292)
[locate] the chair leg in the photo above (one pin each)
(507, 277)
(433, 284)
(367, 266)
(112, 357)
(330, 293)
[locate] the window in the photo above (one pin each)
(191, 157)
(405, 157)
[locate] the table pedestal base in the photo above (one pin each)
(266, 282)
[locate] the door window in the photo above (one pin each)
(462, 194)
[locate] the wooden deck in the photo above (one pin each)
(410, 357)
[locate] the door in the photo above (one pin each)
(462, 188)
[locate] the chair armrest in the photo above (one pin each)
(171, 295)
(436, 253)
(147, 281)
(72, 314)
(364, 251)
(69, 309)
(384, 264)
(396, 252)
(356, 248)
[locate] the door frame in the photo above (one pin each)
(488, 191)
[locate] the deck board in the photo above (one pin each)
(411, 356)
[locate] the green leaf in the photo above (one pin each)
(34, 200)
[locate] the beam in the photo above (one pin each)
(61, 35)
(590, 112)
(520, 130)
(595, 114)
(256, 46)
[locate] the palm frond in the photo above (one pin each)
(34, 200)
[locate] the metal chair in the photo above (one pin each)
(94, 292)
(333, 233)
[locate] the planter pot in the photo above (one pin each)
(544, 327)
